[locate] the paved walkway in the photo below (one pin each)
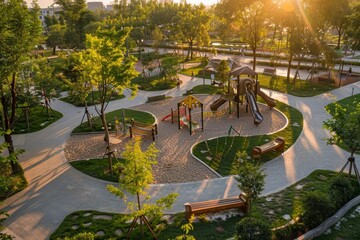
(56, 189)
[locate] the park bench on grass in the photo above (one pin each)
(142, 131)
(278, 144)
(269, 71)
(156, 98)
(215, 205)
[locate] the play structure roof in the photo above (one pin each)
(245, 70)
(191, 102)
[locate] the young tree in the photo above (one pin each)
(170, 67)
(345, 129)
(15, 18)
(250, 179)
(135, 179)
(353, 29)
(105, 66)
(223, 71)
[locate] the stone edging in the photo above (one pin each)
(315, 232)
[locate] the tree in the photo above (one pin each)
(135, 179)
(252, 22)
(15, 18)
(76, 17)
(157, 37)
(223, 71)
(250, 179)
(170, 67)
(345, 129)
(353, 30)
(194, 23)
(105, 66)
(55, 37)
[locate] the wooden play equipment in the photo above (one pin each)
(278, 144)
(189, 103)
(215, 205)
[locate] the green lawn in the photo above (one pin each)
(97, 168)
(89, 99)
(224, 149)
(154, 83)
(349, 227)
(38, 119)
(205, 89)
(273, 207)
(139, 116)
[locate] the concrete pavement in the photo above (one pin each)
(56, 189)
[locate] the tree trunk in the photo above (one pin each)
(254, 58)
(289, 67)
(339, 38)
(107, 139)
(54, 50)
(9, 119)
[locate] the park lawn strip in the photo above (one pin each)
(97, 168)
(38, 119)
(223, 150)
(301, 88)
(205, 89)
(273, 207)
(139, 116)
(348, 229)
(154, 83)
(89, 99)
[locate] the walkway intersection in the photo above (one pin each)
(56, 189)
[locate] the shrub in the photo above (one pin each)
(253, 228)
(340, 190)
(316, 208)
(81, 236)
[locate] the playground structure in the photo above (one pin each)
(183, 114)
(239, 87)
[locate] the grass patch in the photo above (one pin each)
(205, 89)
(223, 150)
(281, 203)
(97, 168)
(139, 116)
(38, 119)
(154, 83)
(349, 228)
(89, 99)
(301, 88)
(10, 183)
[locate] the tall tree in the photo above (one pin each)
(105, 66)
(55, 37)
(20, 29)
(76, 17)
(252, 22)
(345, 129)
(353, 30)
(135, 179)
(193, 23)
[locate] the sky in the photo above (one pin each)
(46, 3)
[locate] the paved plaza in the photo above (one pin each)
(56, 189)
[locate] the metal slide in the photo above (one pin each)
(215, 105)
(258, 118)
(270, 101)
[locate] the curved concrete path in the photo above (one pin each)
(56, 189)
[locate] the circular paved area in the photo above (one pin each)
(175, 163)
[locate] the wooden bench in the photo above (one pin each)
(156, 98)
(215, 205)
(278, 144)
(269, 71)
(144, 125)
(142, 131)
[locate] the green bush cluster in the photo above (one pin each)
(253, 228)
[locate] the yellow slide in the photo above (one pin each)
(270, 101)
